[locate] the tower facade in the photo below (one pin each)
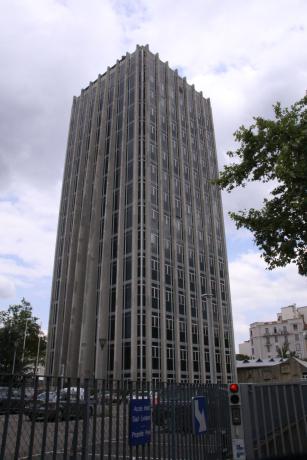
(140, 284)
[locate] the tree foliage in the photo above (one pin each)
(20, 339)
(284, 351)
(274, 150)
(241, 357)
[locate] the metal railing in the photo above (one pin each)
(274, 419)
(49, 418)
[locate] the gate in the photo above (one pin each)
(274, 419)
(89, 419)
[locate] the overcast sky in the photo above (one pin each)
(243, 54)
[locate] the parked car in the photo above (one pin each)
(145, 394)
(11, 402)
(68, 406)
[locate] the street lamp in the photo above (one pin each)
(102, 343)
(206, 296)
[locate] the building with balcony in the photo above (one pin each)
(288, 332)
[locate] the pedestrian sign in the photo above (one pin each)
(199, 417)
(238, 449)
(140, 421)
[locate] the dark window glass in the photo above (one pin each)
(127, 296)
(115, 222)
(113, 272)
(111, 358)
(112, 299)
(130, 114)
(129, 171)
(114, 247)
(128, 242)
(168, 301)
(111, 327)
(130, 150)
(128, 269)
(129, 194)
(128, 217)
(131, 97)
(116, 200)
(130, 132)
(127, 325)
(127, 356)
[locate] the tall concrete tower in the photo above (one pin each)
(140, 285)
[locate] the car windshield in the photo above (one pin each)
(3, 393)
(43, 396)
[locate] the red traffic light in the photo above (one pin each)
(234, 387)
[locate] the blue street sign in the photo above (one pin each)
(199, 416)
(139, 421)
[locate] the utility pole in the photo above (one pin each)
(14, 357)
(24, 341)
(37, 354)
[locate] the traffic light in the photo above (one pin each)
(235, 403)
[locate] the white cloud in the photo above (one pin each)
(27, 233)
(244, 55)
(7, 287)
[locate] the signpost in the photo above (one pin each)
(199, 417)
(139, 421)
(238, 449)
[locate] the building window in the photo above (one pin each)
(155, 326)
(192, 281)
(169, 329)
(180, 274)
(183, 359)
(195, 360)
(154, 269)
(155, 297)
(154, 238)
(179, 253)
(128, 269)
(168, 274)
(182, 331)
(170, 358)
(194, 333)
(168, 300)
(182, 310)
(127, 325)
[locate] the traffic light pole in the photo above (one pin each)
(236, 422)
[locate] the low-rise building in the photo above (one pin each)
(288, 332)
(274, 370)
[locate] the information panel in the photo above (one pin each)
(139, 421)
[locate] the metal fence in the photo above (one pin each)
(73, 419)
(274, 419)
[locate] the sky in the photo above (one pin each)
(243, 54)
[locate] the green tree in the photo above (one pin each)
(241, 357)
(284, 351)
(274, 150)
(21, 339)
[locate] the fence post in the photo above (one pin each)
(86, 416)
